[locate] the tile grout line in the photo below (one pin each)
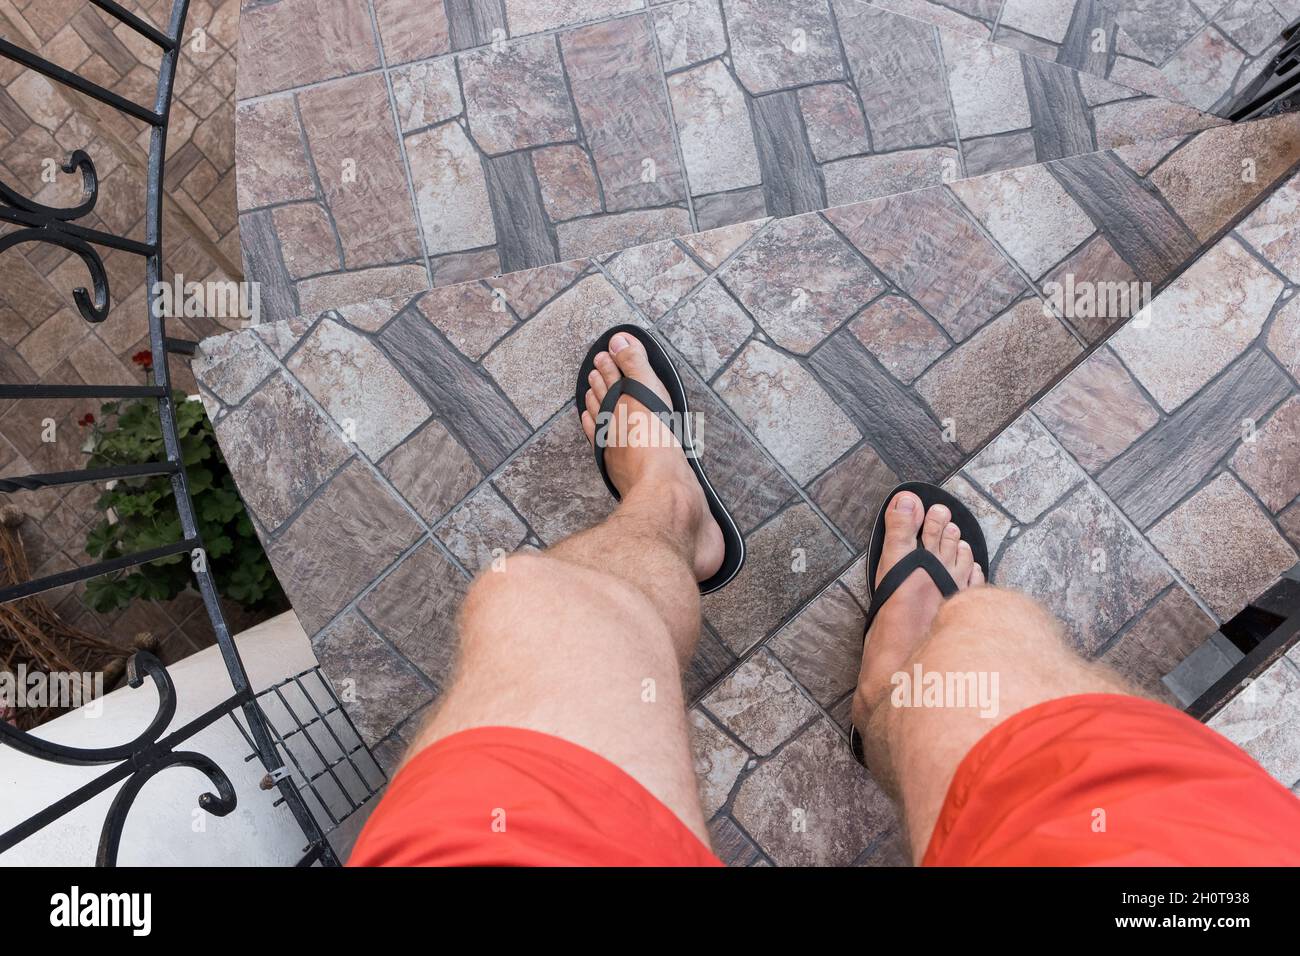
(401, 139)
(937, 38)
(653, 27)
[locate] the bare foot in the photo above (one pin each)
(653, 453)
(904, 622)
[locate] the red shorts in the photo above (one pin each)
(1086, 780)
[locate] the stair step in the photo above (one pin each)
(831, 354)
(547, 148)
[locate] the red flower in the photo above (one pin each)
(86, 419)
(143, 358)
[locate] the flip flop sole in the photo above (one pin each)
(663, 367)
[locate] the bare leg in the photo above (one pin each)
(914, 751)
(587, 641)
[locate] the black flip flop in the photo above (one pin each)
(918, 560)
(664, 369)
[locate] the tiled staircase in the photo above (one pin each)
(896, 319)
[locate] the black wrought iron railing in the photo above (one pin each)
(155, 749)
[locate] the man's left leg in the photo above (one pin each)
(587, 641)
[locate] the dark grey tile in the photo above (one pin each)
(523, 239)
(791, 183)
(1062, 126)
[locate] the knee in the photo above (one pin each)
(989, 616)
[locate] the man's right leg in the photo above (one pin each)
(914, 751)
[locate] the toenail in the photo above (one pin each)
(963, 546)
(618, 343)
(906, 503)
(952, 531)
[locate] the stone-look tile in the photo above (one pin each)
(789, 558)
(725, 209)
(712, 659)
(897, 67)
(1029, 214)
(469, 314)
(325, 292)
(535, 16)
(464, 266)
(282, 446)
(450, 190)
(231, 366)
(601, 235)
(1129, 213)
(614, 75)
(515, 96)
(356, 156)
(415, 608)
(426, 93)
(525, 238)
(526, 292)
(1024, 470)
(343, 539)
(306, 240)
(297, 42)
(1224, 545)
(860, 178)
(269, 129)
(1159, 640)
(715, 246)
(567, 181)
(1289, 522)
(922, 242)
(981, 384)
(990, 154)
(1095, 289)
(987, 84)
(536, 366)
(783, 44)
(1098, 412)
(1270, 463)
(1171, 460)
(812, 804)
(1127, 122)
(554, 483)
(1205, 181)
(993, 520)
(760, 704)
(1274, 229)
(730, 844)
(800, 281)
(903, 432)
(708, 328)
(822, 647)
(904, 339)
(834, 121)
(787, 410)
(791, 184)
(656, 276)
(386, 689)
(482, 531)
(1264, 721)
(689, 32)
(461, 397)
(713, 124)
(358, 386)
(890, 850)
(718, 761)
(412, 29)
(1087, 565)
(1284, 337)
(1199, 324)
(849, 492)
(431, 471)
(1202, 72)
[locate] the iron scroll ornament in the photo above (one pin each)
(53, 225)
(141, 758)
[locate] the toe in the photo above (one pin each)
(976, 576)
(948, 545)
(589, 426)
(965, 564)
(932, 531)
(596, 381)
(607, 369)
(633, 361)
(902, 518)
(593, 404)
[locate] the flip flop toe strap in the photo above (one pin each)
(606, 420)
(921, 560)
